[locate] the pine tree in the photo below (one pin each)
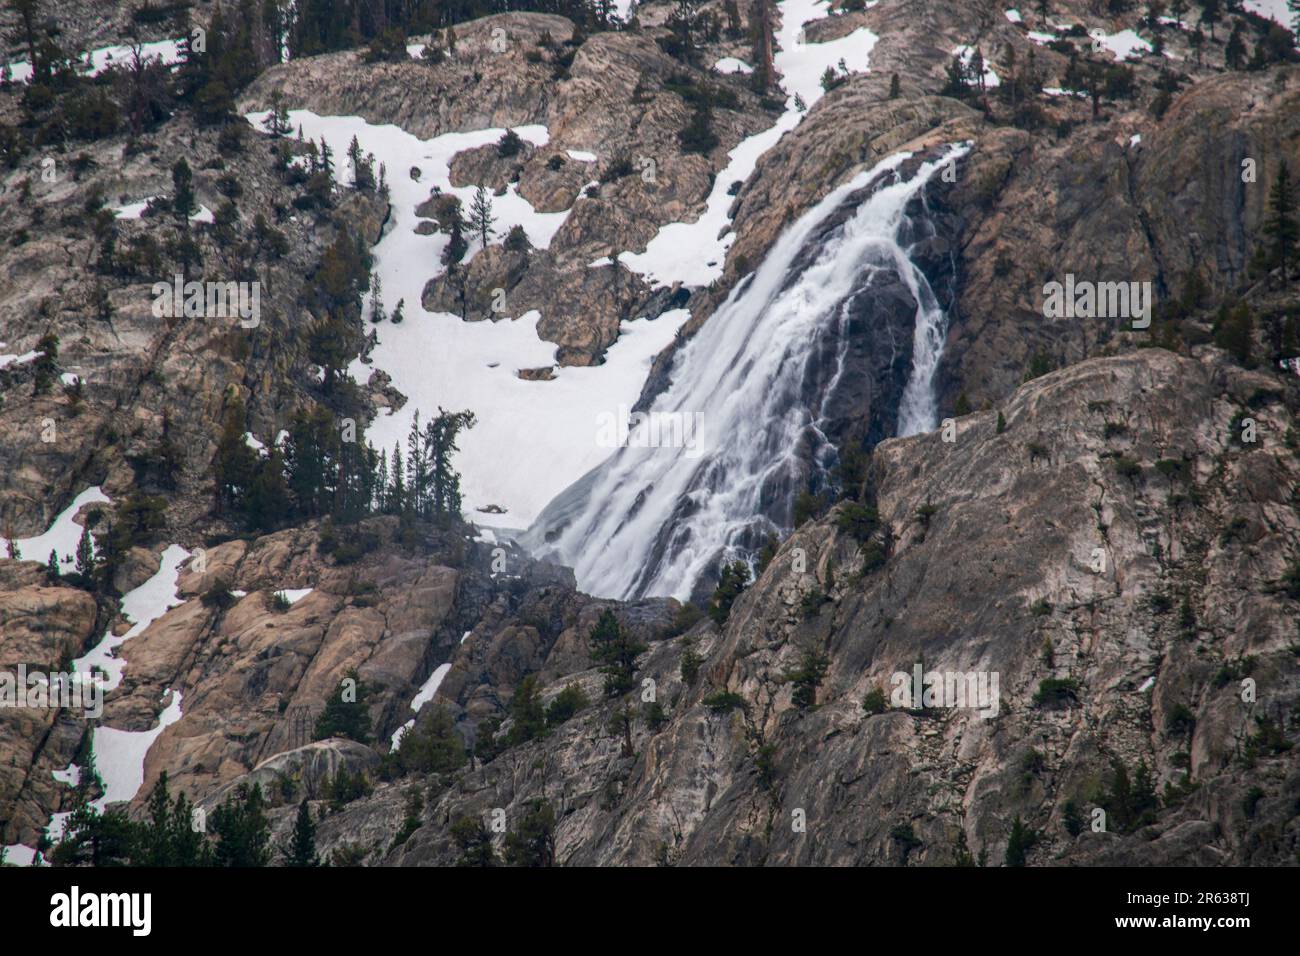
(1235, 52)
(475, 842)
(234, 462)
(86, 556)
(1211, 13)
(183, 190)
(1280, 221)
(267, 503)
(243, 833)
(1019, 843)
(301, 851)
(614, 648)
(440, 446)
(396, 497)
(456, 245)
(52, 565)
(533, 843)
(417, 470)
(46, 366)
(377, 314)
(346, 712)
(480, 216)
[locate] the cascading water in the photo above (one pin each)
(749, 395)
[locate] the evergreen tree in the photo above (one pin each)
(395, 499)
(52, 565)
(732, 580)
(86, 556)
(267, 503)
(234, 462)
(533, 843)
(1235, 52)
(480, 216)
(439, 447)
(301, 851)
(475, 842)
(614, 648)
(46, 365)
(242, 830)
(183, 190)
(528, 720)
(377, 314)
(346, 712)
(456, 245)
(1234, 331)
(808, 676)
(1280, 222)
(432, 745)
(417, 470)
(1019, 843)
(1211, 13)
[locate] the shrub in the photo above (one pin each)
(874, 702)
(731, 583)
(859, 521)
(565, 705)
(1128, 468)
(1057, 692)
(723, 702)
(509, 144)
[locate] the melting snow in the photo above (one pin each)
(294, 595)
(19, 855)
(1123, 45)
(966, 54)
(119, 754)
(693, 253)
(19, 359)
(425, 695)
(97, 61)
(729, 64)
(142, 606)
(436, 359)
(63, 535)
(1275, 10)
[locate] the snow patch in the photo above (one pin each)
(729, 64)
(426, 692)
(142, 606)
(63, 535)
(438, 360)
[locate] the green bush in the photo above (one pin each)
(565, 705)
(1057, 692)
(723, 701)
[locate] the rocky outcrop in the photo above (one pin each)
(994, 568)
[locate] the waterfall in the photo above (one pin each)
(713, 465)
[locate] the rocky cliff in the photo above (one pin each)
(1105, 520)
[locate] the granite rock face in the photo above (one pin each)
(1149, 591)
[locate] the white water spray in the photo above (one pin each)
(651, 520)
